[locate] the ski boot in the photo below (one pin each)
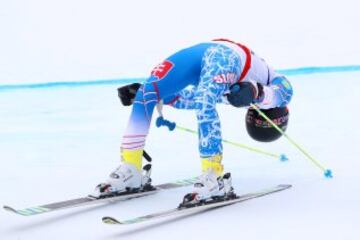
(212, 185)
(209, 189)
(127, 178)
(123, 180)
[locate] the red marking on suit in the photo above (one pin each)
(247, 51)
(161, 70)
(225, 78)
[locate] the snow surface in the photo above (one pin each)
(58, 143)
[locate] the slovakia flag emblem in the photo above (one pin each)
(161, 70)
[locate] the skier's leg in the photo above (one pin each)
(129, 175)
(174, 74)
(168, 78)
(218, 62)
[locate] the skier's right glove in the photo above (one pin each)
(242, 94)
(127, 93)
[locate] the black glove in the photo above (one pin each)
(127, 93)
(242, 94)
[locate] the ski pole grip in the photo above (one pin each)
(161, 121)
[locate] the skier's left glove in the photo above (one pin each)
(242, 94)
(127, 93)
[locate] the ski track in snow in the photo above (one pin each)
(58, 143)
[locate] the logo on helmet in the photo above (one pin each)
(260, 129)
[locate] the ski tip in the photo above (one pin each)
(13, 210)
(284, 186)
(27, 211)
(110, 220)
(9, 209)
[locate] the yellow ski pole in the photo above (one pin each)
(282, 157)
(327, 172)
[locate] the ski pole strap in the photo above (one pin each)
(327, 172)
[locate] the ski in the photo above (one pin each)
(180, 211)
(89, 200)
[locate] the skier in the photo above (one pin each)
(197, 78)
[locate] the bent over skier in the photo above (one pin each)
(197, 78)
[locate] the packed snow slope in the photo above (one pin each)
(58, 143)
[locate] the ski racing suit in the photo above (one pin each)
(197, 78)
